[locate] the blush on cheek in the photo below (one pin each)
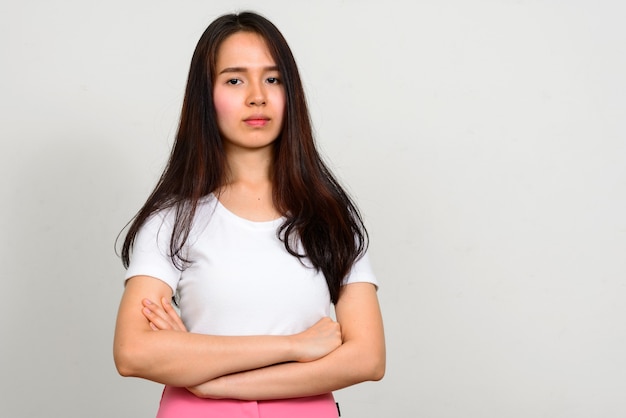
(221, 105)
(226, 102)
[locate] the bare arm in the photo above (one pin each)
(361, 357)
(187, 359)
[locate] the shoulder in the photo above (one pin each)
(169, 217)
(362, 272)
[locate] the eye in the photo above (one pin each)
(273, 80)
(233, 81)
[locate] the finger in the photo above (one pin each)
(159, 311)
(169, 309)
(157, 322)
(155, 314)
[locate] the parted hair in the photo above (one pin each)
(318, 212)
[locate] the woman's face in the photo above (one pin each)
(248, 93)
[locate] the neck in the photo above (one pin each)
(248, 167)
(248, 188)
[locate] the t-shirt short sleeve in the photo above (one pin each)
(362, 272)
(150, 253)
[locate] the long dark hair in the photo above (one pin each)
(318, 212)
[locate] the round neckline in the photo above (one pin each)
(256, 224)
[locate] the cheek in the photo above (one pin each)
(223, 105)
(281, 103)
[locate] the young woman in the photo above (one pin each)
(254, 238)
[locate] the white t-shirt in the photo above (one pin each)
(242, 280)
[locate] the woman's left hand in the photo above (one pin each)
(162, 316)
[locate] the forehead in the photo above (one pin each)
(244, 49)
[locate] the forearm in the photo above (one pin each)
(361, 357)
(187, 359)
(152, 342)
(180, 358)
(346, 366)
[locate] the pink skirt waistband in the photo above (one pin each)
(179, 402)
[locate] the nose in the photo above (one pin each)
(256, 95)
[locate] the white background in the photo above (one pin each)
(484, 141)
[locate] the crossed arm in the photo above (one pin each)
(151, 342)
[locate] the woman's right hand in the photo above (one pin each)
(317, 341)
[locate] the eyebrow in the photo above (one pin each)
(245, 69)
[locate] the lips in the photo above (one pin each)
(257, 121)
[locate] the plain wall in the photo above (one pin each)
(484, 141)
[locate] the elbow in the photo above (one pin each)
(124, 372)
(124, 369)
(372, 367)
(369, 363)
(125, 361)
(377, 374)
(377, 369)
(376, 362)
(123, 366)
